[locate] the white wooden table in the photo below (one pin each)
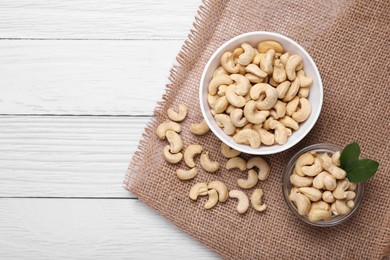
(78, 83)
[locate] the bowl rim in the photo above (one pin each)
(277, 148)
(287, 171)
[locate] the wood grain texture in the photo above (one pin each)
(97, 19)
(84, 77)
(90, 229)
(67, 156)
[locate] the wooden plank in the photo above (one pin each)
(66, 156)
(84, 77)
(91, 229)
(96, 19)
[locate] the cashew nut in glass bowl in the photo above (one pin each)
(260, 93)
(317, 190)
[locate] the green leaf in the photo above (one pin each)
(349, 156)
(362, 170)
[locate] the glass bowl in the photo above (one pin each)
(286, 186)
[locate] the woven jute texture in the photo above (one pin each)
(349, 41)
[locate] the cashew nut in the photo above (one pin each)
(303, 160)
(229, 109)
(304, 112)
(256, 200)
(327, 164)
(180, 115)
(250, 182)
(280, 108)
(312, 193)
(242, 84)
(266, 62)
(221, 104)
(218, 81)
(200, 128)
(272, 82)
(255, 70)
(341, 188)
(327, 196)
(289, 122)
(189, 154)
(248, 135)
(253, 115)
(299, 181)
(282, 89)
(243, 201)
(222, 90)
(219, 71)
(213, 199)
(233, 98)
(207, 164)
(260, 164)
(320, 205)
(279, 73)
(225, 122)
(257, 58)
(324, 181)
(303, 92)
(221, 188)
(227, 62)
(253, 78)
(314, 169)
(237, 52)
(212, 99)
(247, 56)
(336, 158)
(342, 207)
(350, 195)
(236, 162)
(291, 66)
(165, 126)
(264, 46)
(292, 106)
(350, 204)
(301, 202)
(292, 91)
(305, 81)
(175, 142)
(333, 209)
(280, 132)
(199, 189)
(266, 137)
(237, 118)
(228, 152)
(171, 158)
(270, 92)
(319, 214)
(284, 58)
(186, 175)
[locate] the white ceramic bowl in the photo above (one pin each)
(315, 96)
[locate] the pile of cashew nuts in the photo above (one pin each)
(216, 190)
(320, 187)
(259, 95)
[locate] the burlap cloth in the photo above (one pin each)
(349, 41)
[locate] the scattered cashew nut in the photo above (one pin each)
(256, 200)
(207, 164)
(243, 201)
(189, 154)
(200, 128)
(177, 116)
(186, 175)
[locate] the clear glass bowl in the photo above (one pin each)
(286, 186)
